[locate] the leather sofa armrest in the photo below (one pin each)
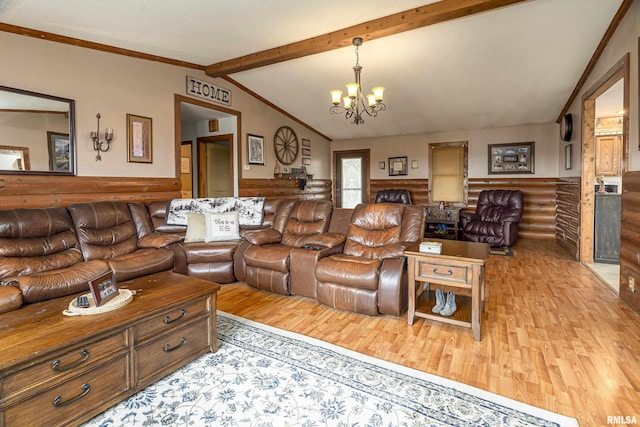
(510, 215)
(264, 236)
(157, 240)
(10, 297)
(466, 217)
(324, 240)
(392, 287)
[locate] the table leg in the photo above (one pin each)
(476, 297)
(411, 279)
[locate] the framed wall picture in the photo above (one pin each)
(103, 288)
(397, 166)
(306, 151)
(567, 156)
(255, 149)
(59, 155)
(511, 158)
(139, 143)
(306, 161)
(306, 142)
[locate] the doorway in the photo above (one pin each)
(215, 166)
(193, 123)
(351, 177)
(614, 84)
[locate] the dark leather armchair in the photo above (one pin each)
(496, 220)
(393, 196)
(369, 276)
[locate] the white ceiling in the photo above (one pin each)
(510, 66)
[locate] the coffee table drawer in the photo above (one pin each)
(175, 317)
(72, 398)
(162, 353)
(438, 272)
(63, 364)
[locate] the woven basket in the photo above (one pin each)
(123, 298)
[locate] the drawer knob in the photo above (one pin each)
(168, 320)
(58, 402)
(448, 273)
(168, 348)
(56, 363)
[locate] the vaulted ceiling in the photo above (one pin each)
(514, 62)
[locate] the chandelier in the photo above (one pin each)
(354, 103)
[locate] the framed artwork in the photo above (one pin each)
(306, 161)
(139, 143)
(511, 158)
(59, 155)
(306, 142)
(397, 166)
(306, 151)
(255, 149)
(567, 156)
(103, 288)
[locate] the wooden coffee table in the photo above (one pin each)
(56, 369)
(460, 268)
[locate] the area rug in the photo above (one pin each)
(503, 251)
(263, 376)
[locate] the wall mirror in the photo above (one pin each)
(37, 133)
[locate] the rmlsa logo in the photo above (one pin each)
(620, 419)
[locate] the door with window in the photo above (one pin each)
(351, 169)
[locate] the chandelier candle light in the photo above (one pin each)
(354, 102)
(100, 145)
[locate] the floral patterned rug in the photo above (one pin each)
(263, 376)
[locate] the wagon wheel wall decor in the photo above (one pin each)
(285, 144)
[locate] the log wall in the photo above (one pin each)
(630, 240)
(419, 188)
(316, 189)
(568, 215)
(36, 191)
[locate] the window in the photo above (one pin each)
(448, 173)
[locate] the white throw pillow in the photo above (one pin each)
(195, 228)
(221, 226)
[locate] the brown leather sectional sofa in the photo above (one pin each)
(348, 259)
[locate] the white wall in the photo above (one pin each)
(416, 147)
(624, 40)
(114, 85)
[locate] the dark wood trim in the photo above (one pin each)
(613, 26)
(366, 183)
(43, 35)
(434, 13)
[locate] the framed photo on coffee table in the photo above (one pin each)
(103, 288)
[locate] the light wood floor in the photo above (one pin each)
(553, 335)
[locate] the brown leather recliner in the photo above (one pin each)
(39, 253)
(267, 258)
(496, 220)
(106, 231)
(393, 196)
(369, 277)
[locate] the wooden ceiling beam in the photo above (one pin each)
(434, 13)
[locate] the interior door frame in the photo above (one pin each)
(213, 139)
(619, 71)
(366, 181)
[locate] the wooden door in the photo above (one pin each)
(186, 169)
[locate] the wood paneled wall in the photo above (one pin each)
(316, 189)
(419, 188)
(35, 191)
(630, 240)
(539, 211)
(568, 215)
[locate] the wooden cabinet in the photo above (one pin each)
(442, 223)
(607, 228)
(609, 155)
(58, 370)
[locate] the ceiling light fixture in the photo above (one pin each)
(355, 103)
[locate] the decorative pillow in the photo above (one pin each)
(195, 228)
(221, 226)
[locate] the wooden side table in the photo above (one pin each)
(460, 267)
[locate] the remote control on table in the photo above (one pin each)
(83, 302)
